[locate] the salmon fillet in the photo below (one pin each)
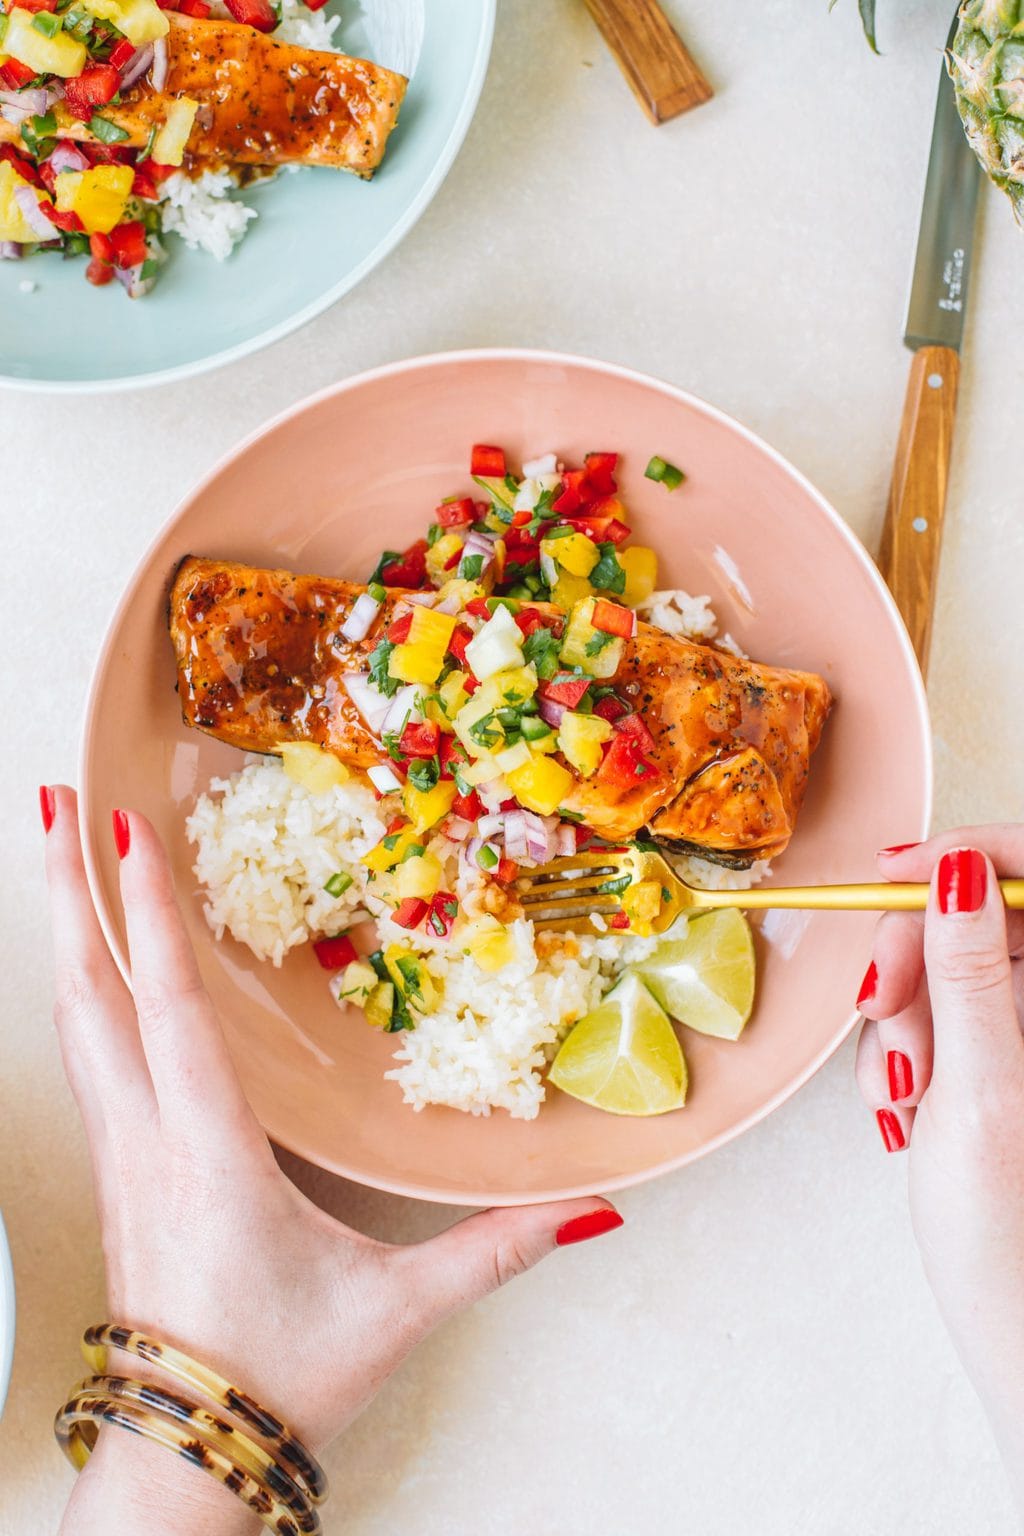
(261, 102)
(261, 661)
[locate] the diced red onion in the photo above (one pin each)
(422, 599)
(159, 75)
(383, 778)
(28, 201)
(136, 66)
(406, 705)
(10, 250)
(565, 840)
(551, 712)
(527, 836)
(457, 829)
(360, 621)
(452, 604)
(54, 93)
(368, 700)
(547, 464)
(66, 157)
(469, 851)
(489, 826)
(26, 103)
(478, 543)
(133, 282)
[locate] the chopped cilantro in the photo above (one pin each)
(424, 773)
(608, 573)
(379, 676)
(613, 887)
(388, 557)
(484, 732)
(542, 649)
(104, 130)
(597, 642)
(470, 567)
(434, 532)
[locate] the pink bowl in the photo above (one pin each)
(362, 465)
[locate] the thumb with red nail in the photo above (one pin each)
(941, 1065)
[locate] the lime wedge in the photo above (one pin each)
(705, 979)
(624, 1056)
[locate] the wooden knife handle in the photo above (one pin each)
(660, 71)
(912, 534)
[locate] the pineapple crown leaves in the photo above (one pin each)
(867, 16)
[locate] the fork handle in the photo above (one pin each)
(840, 898)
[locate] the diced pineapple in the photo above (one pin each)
(358, 980)
(453, 695)
(391, 850)
(141, 21)
(497, 647)
(641, 903)
(99, 196)
(439, 555)
(575, 553)
(304, 762)
(490, 945)
(641, 567)
(434, 711)
(569, 590)
(60, 54)
(421, 657)
(511, 758)
(482, 704)
(596, 653)
(580, 739)
(169, 144)
(426, 807)
(418, 876)
(483, 771)
(515, 685)
(464, 591)
(379, 1005)
(409, 973)
(13, 224)
(541, 785)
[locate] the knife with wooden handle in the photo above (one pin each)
(912, 534)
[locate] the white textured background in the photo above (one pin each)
(756, 1354)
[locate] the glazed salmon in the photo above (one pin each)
(261, 661)
(261, 102)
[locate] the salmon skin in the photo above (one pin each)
(261, 102)
(261, 661)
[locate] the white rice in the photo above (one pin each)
(202, 210)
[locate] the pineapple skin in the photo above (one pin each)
(986, 65)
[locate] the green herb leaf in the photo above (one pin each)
(542, 649)
(608, 573)
(106, 131)
(388, 556)
(470, 567)
(424, 773)
(379, 659)
(597, 642)
(613, 887)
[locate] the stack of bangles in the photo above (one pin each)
(273, 1474)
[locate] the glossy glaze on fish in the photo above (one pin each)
(261, 102)
(261, 661)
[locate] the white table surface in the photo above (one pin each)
(757, 1352)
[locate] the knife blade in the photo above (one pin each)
(912, 532)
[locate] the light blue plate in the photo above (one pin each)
(318, 232)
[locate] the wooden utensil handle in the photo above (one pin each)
(651, 55)
(912, 534)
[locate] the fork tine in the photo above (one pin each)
(577, 924)
(586, 885)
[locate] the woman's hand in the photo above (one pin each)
(207, 1244)
(941, 1063)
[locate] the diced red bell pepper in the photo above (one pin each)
(33, 5)
(25, 167)
(461, 636)
(420, 740)
(410, 912)
(69, 222)
(613, 619)
(99, 273)
(520, 519)
(478, 608)
(618, 920)
(442, 913)
(456, 514)
(568, 692)
(471, 684)
(101, 248)
(394, 825)
(624, 765)
(129, 243)
(487, 461)
(574, 492)
(15, 74)
(451, 755)
(122, 53)
(334, 954)
(603, 530)
(410, 570)
(505, 871)
(252, 13)
(197, 8)
(469, 807)
(634, 728)
(92, 89)
(511, 804)
(611, 708)
(453, 560)
(167, 5)
(600, 472)
(105, 154)
(529, 619)
(144, 186)
(398, 629)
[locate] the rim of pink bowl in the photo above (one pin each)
(595, 365)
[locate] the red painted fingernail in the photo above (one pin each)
(901, 1076)
(122, 836)
(593, 1224)
(962, 881)
(899, 848)
(47, 806)
(868, 985)
(892, 1131)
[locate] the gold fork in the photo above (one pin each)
(563, 895)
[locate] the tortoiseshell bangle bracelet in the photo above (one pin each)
(285, 1446)
(225, 1451)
